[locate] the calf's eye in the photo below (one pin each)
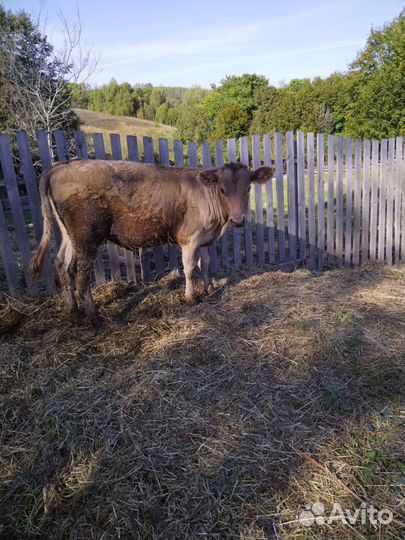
(223, 191)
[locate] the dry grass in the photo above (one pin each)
(180, 423)
(96, 122)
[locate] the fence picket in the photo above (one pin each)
(10, 180)
(397, 201)
(6, 253)
(31, 183)
(374, 200)
(81, 145)
(292, 194)
(339, 201)
(236, 235)
(402, 180)
(311, 199)
(116, 153)
(269, 202)
(164, 155)
(349, 202)
(383, 200)
(320, 146)
(244, 158)
(192, 155)
(133, 150)
(207, 164)
(301, 194)
(330, 234)
(219, 161)
(256, 162)
(365, 214)
(390, 202)
(278, 147)
(357, 203)
(44, 150)
(62, 149)
(178, 153)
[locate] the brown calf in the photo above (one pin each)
(137, 205)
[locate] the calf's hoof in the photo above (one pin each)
(190, 300)
(210, 291)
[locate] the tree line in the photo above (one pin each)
(39, 89)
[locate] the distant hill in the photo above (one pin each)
(97, 122)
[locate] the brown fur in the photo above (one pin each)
(137, 205)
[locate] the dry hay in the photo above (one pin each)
(181, 423)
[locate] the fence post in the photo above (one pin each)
(270, 201)
(256, 162)
(320, 145)
(390, 201)
(398, 194)
(365, 215)
(383, 195)
(311, 199)
(292, 195)
(357, 203)
(349, 202)
(236, 236)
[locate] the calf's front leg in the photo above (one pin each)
(189, 256)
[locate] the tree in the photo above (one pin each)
(377, 105)
(232, 121)
(34, 79)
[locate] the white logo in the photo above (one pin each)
(315, 514)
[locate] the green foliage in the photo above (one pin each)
(231, 121)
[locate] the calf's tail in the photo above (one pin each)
(38, 260)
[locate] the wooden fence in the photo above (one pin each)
(332, 201)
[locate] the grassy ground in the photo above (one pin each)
(95, 122)
(221, 421)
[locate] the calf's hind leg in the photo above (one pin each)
(84, 269)
(64, 263)
(204, 264)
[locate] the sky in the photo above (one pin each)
(184, 43)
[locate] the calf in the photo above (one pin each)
(137, 205)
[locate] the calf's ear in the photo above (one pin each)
(208, 177)
(261, 175)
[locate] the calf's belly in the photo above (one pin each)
(132, 232)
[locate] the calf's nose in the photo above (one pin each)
(238, 222)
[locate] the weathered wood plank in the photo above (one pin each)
(13, 195)
(148, 152)
(311, 199)
(149, 156)
(278, 150)
(271, 255)
(44, 150)
(6, 253)
(339, 201)
(357, 203)
(236, 236)
(330, 233)
(390, 202)
(292, 195)
(133, 150)
(81, 145)
(207, 164)
(320, 146)
(244, 157)
(302, 243)
(374, 200)
(219, 161)
(192, 155)
(257, 162)
(365, 214)
(116, 153)
(112, 250)
(383, 202)
(31, 183)
(398, 196)
(62, 149)
(178, 149)
(349, 202)
(164, 154)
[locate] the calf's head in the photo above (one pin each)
(232, 183)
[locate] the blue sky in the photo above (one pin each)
(181, 43)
